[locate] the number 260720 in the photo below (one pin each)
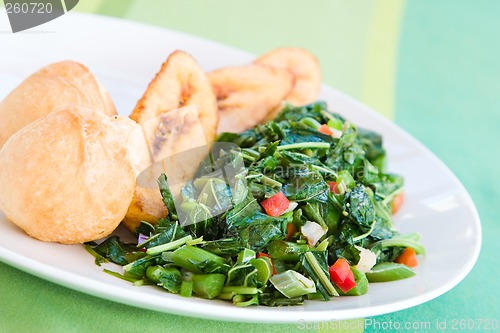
(28, 8)
(474, 324)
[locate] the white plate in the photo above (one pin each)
(125, 56)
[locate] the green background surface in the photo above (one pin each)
(433, 66)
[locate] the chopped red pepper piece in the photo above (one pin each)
(341, 275)
(408, 258)
(334, 187)
(325, 129)
(291, 229)
(262, 254)
(275, 205)
(397, 202)
(348, 283)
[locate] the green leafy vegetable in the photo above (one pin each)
(316, 266)
(114, 250)
(218, 242)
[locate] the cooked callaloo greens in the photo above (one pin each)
(305, 214)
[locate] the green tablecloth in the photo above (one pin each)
(430, 65)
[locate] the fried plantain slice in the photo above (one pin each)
(177, 112)
(144, 208)
(304, 67)
(246, 94)
(180, 82)
(176, 145)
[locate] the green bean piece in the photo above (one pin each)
(335, 123)
(287, 251)
(169, 277)
(208, 285)
(310, 122)
(186, 289)
(264, 269)
(315, 296)
(198, 260)
(154, 272)
(389, 271)
(244, 300)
